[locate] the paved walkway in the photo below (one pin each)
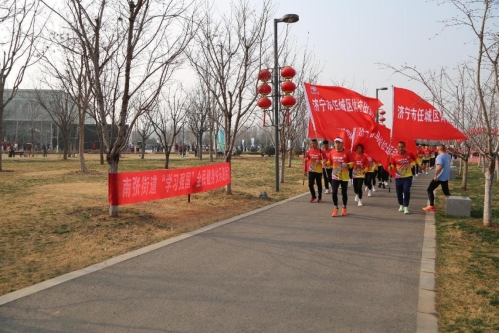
(289, 267)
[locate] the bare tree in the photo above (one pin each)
(230, 52)
(71, 77)
(133, 49)
(470, 100)
(198, 116)
(144, 129)
(63, 111)
(167, 118)
(18, 47)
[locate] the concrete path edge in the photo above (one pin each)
(427, 317)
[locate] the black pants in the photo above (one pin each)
(326, 173)
(369, 181)
(433, 185)
(315, 177)
(382, 174)
(335, 184)
(357, 186)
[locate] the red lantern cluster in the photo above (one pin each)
(288, 87)
(382, 119)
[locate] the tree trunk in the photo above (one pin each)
(283, 164)
(464, 166)
(487, 200)
(101, 154)
(290, 157)
(81, 145)
(228, 188)
(113, 161)
(167, 158)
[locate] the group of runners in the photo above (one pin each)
(340, 168)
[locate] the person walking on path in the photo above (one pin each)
(314, 158)
(403, 162)
(442, 175)
(340, 162)
(359, 170)
(326, 170)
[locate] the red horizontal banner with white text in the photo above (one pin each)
(132, 187)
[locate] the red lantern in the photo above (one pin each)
(288, 86)
(288, 72)
(264, 103)
(288, 101)
(264, 89)
(382, 112)
(382, 119)
(264, 75)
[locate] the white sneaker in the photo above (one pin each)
(365, 190)
(426, 172)
(369, 194)
(417, 175)
(356, 198)
(327, 191)
(374, 189)
(360, 203)
(386, 183)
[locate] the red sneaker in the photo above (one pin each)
(312, 199)
(320, 200)
(429, 209)
(335, 212)
(344, 211)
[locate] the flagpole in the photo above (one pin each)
(391, 134)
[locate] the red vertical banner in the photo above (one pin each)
(414, 118)
(132, 187)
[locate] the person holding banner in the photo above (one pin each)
(326, 170)
(340, 161)
(402, 162)
(359, 170)
(442, 175)
(314, 158)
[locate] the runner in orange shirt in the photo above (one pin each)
(326, 170)
(359, 170)
(340, 161)
(403, 162)
(314, 159)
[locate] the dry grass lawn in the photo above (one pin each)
(468, 263)
(54, 219)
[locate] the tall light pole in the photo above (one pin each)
(377, 111)
(288, 18)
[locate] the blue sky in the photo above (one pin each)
(351, 37)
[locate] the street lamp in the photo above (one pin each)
(288, 18)
(377, 111)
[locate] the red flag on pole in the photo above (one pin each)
(414, 118)
(334, 109)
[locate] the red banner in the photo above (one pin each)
(376, 143)
(132, 187)
(414, 118)
(334, 109)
